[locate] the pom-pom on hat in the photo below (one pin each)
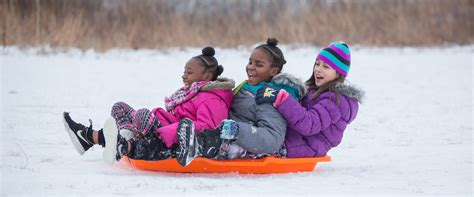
(338, 56)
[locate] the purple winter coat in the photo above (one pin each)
(317, 125)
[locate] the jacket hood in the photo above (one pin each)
(351, 91)
(218, 88)
(291, 81)
(219, 83)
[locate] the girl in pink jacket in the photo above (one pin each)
(151, 135)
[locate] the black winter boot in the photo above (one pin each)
(205, 144)
(186, 151)
(209, 142)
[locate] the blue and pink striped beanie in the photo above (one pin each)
(338, 56)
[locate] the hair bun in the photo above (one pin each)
(272, 41)
(219, 70)
(208, 51)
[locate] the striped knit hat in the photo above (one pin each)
(338, 56)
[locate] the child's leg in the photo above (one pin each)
(229, 150)
(145, 145)
(145, 122)
(150, 149)
(123, 114)
(139, 122)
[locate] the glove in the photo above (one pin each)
(266, 94)
(230, 129)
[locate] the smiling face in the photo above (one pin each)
(323, 73)
(193, 72)
(260, 68)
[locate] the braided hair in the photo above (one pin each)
(276, 56)
(209, 62)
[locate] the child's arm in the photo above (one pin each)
(306, 121)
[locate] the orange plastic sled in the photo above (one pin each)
(265, 165)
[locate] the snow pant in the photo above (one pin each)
(151, 149)
(140, 122)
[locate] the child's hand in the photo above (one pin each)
(266, 94)
(230, 129)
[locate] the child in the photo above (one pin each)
(317, 123)
(151, 135)
(253, 130)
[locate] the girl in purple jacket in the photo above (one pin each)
(151, 135)
(317, 123)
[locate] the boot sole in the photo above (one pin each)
(77, 144)
(187, 153)
(110, 135)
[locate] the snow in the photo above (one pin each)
(412, 136)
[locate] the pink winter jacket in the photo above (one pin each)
(207, 109)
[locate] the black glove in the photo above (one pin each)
(266, 94)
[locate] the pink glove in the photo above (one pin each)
(281, 96)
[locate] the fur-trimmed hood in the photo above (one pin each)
(220, 83)
(351, 91)
(292, 81)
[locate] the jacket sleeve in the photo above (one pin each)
(267, 135)
(168, 134)
(208, 115)
(163, 116)
(310, 121)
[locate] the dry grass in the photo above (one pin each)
(160, 23)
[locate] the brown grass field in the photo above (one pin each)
(151, 24)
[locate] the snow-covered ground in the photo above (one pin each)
(412, 136)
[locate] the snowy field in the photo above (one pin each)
(412, 136)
